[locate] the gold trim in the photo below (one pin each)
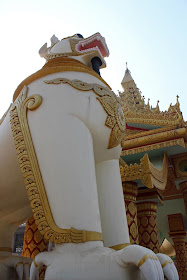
(166, 262)
(128, 197)
(157, 146)
(146, 209)
(147, 256)
(110, 103)
(149, 132)
(35, 264)
(149, 139)
(18, 264)
(67, 65)
(146, 172)
(120, 246)
(146, 213)
(130, 191)
(154, 120)
(33, 178)
(144, 206)
(5, 249)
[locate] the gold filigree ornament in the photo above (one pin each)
(33, 178)
(110, 103)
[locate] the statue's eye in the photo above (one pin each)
(79, 35)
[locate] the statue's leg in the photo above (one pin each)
(66, 160)
(14, 205)
(111, 204)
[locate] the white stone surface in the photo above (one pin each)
(82, 181)
(170, 271)
(111, 203)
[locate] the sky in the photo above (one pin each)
(150, 35)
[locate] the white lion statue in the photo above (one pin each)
(60, 148)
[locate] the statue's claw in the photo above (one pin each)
(34, 272)
(40, 260)
(26, 271)
(145, 260)
(19, 269)
(169, 269)
(20, 264)
(22, 267)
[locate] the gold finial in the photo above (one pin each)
(177, 103)
(127, 70)
(157, 106)
(177, 98)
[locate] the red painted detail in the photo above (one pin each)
(137, 128)
(91, 45)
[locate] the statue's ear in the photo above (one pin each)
(43, 50)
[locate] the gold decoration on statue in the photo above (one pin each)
(147, 256)
(57, 65)
(120, 246)
(110, 103)
(33, 178)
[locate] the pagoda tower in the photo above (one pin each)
(153, 168)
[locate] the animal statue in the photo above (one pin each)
(60, 143)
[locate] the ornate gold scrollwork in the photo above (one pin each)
(110, 103)
(33, 178)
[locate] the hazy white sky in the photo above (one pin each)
(151, 35)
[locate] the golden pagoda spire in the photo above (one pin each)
(136, 111)
(127, 77)
(131, 97)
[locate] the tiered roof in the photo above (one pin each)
(138, 112)
(149, 129)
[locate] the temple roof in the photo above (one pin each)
(147, 128)
(127, 77)
(140, 114)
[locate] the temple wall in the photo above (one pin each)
(170, 207)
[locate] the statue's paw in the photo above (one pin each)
(20, 264)
(41, 259)
(144, 259)
(169, 269)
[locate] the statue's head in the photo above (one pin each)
(90, 51)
